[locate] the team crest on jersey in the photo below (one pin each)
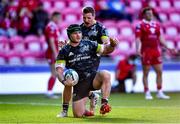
(85, 48)
(152, 29)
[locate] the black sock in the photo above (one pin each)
(92, 95)
(104, 101)
(65, 106)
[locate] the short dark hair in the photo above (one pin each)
(56, 13)
(88, 10)
(144, 10)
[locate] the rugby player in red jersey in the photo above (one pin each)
(148, 46)
(52, 35)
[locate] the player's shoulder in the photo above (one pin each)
(156, 23)
(99, 25)
(88, 42)
(65, 48)
(143, 22)
(51, 25)
(82, 25)
(85, 41)
(139, 24)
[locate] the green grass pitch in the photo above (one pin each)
(126, 108)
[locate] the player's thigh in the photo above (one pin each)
(100, 77)
(79, 107)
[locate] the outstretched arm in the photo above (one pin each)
(53, 47)
(163, 43)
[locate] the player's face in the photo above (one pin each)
(149, 15)
(57, 19)
(88, 19)
(76, 36)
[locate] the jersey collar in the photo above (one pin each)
(148, 22)
(94, 22)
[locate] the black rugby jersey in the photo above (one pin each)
(94, 32)
(80, 58)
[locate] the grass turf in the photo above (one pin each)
(126, 108)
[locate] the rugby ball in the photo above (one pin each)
(71, 74)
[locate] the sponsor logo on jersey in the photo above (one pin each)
(71, 54)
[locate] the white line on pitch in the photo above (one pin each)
(48, 104)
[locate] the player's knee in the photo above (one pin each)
(106, 76)
(145, 74)
(159, 73)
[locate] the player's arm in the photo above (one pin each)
(163, 43)
(107, 48)
(60, 65)
(104, 35)
(105, 39)
(53, 47)
(138, 39)
(138, 46)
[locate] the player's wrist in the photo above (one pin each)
(112, 45)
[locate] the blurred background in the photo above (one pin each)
(23, 67)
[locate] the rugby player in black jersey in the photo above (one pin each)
(95, 31)
(78, 55)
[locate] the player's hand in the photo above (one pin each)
(61, 44)
(172, 51)
(138, 52)
(113, 42)
(68, 82)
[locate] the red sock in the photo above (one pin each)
(51, 82)
(159, 86)
(146, 89)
